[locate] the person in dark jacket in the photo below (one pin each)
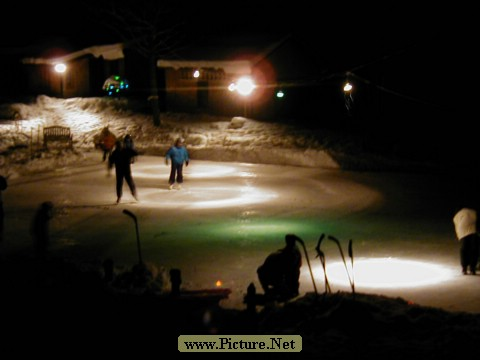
(128, 141)
(121, 158)
(129, 144)
(178, 155)
(279, 274)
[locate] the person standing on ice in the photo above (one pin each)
(177, 155)
(121, 158)
(106, 142)
(465, 221)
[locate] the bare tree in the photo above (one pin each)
(152, 28)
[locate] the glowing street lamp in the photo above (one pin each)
(347, 87)
(244, 86)
(61, 69)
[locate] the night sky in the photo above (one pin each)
(343, 35)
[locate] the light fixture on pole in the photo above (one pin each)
(244, 86)
(347, 90)
(61, 68)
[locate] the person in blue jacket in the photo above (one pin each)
(177, 155)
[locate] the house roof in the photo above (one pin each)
(235, 67)
(234, 55)
(108, 52)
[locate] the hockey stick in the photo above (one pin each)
(350, 253)
(321, 255)
(343, 258)
(308, 262)
(132, 215)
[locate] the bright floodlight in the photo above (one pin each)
(196, 74)
(348, 87)
(60, 68)
(280, 94)
(387, 273)
(245, 86)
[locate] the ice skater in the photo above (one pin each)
(105, 141)
(465, 221)
(178, 155)
(121, 158)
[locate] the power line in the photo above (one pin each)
(368, 82)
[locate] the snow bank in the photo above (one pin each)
(207, 137)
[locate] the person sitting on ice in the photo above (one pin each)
(279, 274)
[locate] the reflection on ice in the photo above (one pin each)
(205, 197)
(194, 171)
(202, 195)
(216, 185)
(233, 196)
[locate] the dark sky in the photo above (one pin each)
(343, 26)
(340, 28)
(40, 21)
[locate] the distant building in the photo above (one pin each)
(203, 85)
(200, 77)
(86, 71)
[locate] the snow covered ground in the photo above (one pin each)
(208, 137)
(243, 192)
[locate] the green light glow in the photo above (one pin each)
(253, 229)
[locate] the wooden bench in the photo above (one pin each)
(59, 134)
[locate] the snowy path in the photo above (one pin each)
(229, 216)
